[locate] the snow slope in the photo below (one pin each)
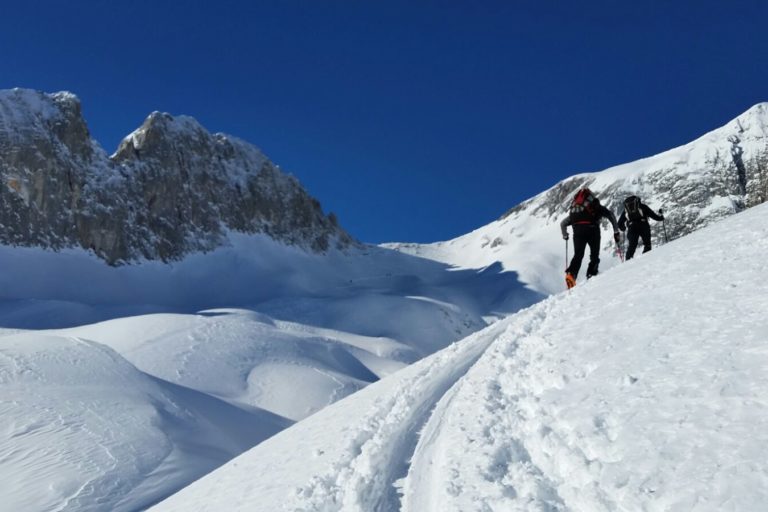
(697, 184)
(642, 389)
(148, 376)
(250, 360)
(83, 429)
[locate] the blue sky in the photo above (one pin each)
(412, 120)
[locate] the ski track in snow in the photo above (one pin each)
(434, 476)
(660, 410)
(377, 455)
(408, 424)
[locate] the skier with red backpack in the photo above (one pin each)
(634, 219)
(584, 218)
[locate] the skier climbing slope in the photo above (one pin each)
(571, 404)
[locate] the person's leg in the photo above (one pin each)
(645, 233)
(594, 252)
(632, 236)
(579, 246)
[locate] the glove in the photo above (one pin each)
(662, 217)
(616, 236)
(565, 236)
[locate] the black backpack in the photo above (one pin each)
(633, 209)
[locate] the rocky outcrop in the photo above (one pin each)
(172, 188)
(717, 175)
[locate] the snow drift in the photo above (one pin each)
(83, 429)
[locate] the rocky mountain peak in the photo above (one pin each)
(160, 132)
(170, 189)
(35, 116)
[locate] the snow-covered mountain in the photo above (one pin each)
(171, 188)
(245, 309)
(717, 175)
(642, 389)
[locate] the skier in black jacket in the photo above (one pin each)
(634, 219)
(584, 217)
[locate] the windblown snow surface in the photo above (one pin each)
(642, 389)
(120, 386)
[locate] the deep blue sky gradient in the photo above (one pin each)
(412, 120)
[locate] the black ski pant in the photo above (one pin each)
(637, 230)
(583, 235)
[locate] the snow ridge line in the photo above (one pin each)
(363, 478)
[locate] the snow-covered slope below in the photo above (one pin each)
(642, 389)
(83, 429)
(697, 184)
(181, 367)
(249, 359)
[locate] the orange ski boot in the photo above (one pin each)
(570, 281)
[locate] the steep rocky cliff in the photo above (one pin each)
(172, 188)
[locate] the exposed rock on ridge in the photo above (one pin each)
(719, 174)
(171, 189)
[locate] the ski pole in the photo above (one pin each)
(623, 254)
(567, 284)
(620, 248)
(663, 224)
(619, 252)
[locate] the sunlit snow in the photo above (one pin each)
(642, 389)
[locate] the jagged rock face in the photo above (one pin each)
(44, 156)
(717, 175)
(171, 188)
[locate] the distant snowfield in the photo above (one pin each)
(249, 359)
(146, 377)
(642, 389)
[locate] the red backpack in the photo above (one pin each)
(584, 206)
